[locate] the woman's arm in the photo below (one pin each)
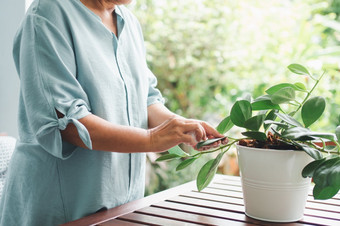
(107, 136)
(166, 130)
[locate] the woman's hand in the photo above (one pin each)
(178, 130)
(212, 133)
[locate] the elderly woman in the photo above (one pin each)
(89, 110)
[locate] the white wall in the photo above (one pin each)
(11, 14)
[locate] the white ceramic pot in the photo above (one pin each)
(273, 187)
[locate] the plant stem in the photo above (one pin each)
(308, 94)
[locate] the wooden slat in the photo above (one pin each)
(225, 187)
(187, 217)
(323, 207)
(238, 208)
(216, 198)
(107, 215)
(209, 212)
(208, 203)
(322, 214)
(117, 222)
(148, 219)
(319, 221)
(333, 201)
(219, 192)
(221, 203)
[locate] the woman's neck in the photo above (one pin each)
(105, 10)
(102, 8)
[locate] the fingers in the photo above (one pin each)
(196, 130)
(211, 132)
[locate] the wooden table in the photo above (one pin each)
(219, 204)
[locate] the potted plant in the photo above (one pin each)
(278, 154)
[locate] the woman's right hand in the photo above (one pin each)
(174, 131)
(178, 130)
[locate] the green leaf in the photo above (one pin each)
(337, 133)
(300, 86)
(254, 123)
(240, 112)
(176, 150)
(167, 157)
(270, 116)
(298, 69)
(328, 136)
(275, 88)
(255, 135)
(283, 95)
(207, 172)
(334, 177)
(208, 142)
(312, 110)
(308, 171)
(225, 125)
(279, 124)
(288, 119)
(264, 105)
(185, 163)
(323, 171)
(297, 133)
(302, 134)
(323, 193)
(312, 152)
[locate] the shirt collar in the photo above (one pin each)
(119, 12)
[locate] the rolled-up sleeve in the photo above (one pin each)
(46, 65)
(154, 95)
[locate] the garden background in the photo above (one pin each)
(208, 53)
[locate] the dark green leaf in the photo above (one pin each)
(323, 171)
(288, 119)
(177, 151)
(208, 142)
(328, 136)
(303, 134)
(312, 152)
(334, 177)
(279, 124)
(312, 110)
(298, 69)
(254, 123)
(337, 133)
(297, 133)
(240, 112)
(185, 163)
(225, 125)
(323, 193)
(264, 105)
(270, 116)
(283, 95)
(255, 135)
(207, 172)
(167, 157)
(308, 171)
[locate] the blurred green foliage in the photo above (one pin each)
(208, 53)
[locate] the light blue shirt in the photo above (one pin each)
(67, 60)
